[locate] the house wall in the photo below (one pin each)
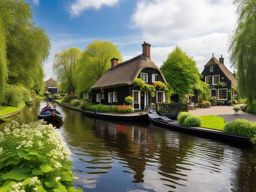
(150, 71)
(223, 78)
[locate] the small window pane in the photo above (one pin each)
(214, 93)
(136, 97)
(216, 79)
(160, 97)
(110, 97)
(115, 97)
(211, 69)
(144, 77)
(208, 80)
(223, 94)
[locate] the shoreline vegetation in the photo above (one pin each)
(34, 158)
(9, 111)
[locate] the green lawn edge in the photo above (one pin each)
(6, 111)
(212, 122)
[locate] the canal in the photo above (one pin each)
(115, 157)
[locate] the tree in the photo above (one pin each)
(181, 73)
(243, 49)
(3, 61)
(64, 66)
(94, 62)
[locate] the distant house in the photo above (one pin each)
(51, 86)
(117, 82)
(221, 80)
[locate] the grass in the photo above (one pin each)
(7, 110)
(213, 122)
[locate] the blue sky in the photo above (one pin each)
(199, 27)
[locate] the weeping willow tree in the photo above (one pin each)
(3, 61)
(243, 49)
(64, 66)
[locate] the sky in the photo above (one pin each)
(200, 27)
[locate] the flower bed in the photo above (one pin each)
(33, 158)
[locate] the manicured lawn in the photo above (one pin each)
(213, 122)
(6, 110)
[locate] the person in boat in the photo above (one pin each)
(47, 107)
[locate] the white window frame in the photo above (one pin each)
(110, 97)
(146, 75)
(206, 78)
(157, 96)
(98, 97)
(139, 102)
(211, 69)
(226, 94)
(154, 75)
(114, 97)
(213, 79)
(217, 93)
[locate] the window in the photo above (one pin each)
(115, 99)
(223, 94)
(136, 96)
(110, 97)
(160, 97)
(213, 93)
(155, 77)
(144, 77)
(98, 97)
(208, 79)
(102, 96)
(215, 79)
(211, 69)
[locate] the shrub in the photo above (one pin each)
(182, 117)
(251, 108)
(75, 102)
(139, 82)
(160, 85)
(221, 102)
(243, 108)
(67, 99)
(123, 109)
(83, 105)
(33, 158)
(205, 104)
(99, 108)
(236, 109)
(128, 100)
(253, 139)
(213, 101)
(241, 127)
(192, 121)
(13, 95)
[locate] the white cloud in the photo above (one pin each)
(36, 2)
(200, 27)
(81, 5)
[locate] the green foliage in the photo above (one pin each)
(33, 157)
(203, 90)
(236, 109)
(160, 85)
(139, 82)
(221, 85)
(180, 72)
(241, 127)
(75, 102)
(94, 62)
(122, 109)
(182, 117)
(109, 108)
(3, 61)
(192, 121)
(204, 104)
(243, 49)
(68, 98)
(83, 105)
(64, 66)
(128, 100)
(251, 108)
(13, 96)
(213, 101)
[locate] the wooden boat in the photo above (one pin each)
(165, 122)
(51, 116)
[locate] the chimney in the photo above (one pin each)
(114, 62)
(146, 50)
(221, 59)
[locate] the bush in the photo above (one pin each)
(33, 158)
(160, 85)
(13, 95)
(123, 109)
(67, 99)
(243, 108)
(182, 117)
(221, 102)
(129, 100)
(83, 105)
(241, 127)
(251, 108)
(205, 104)
(192, 121)
(253, 139)
(236, 109)
(99, 108)
(139, 82)
(213, 101)
(75, 102)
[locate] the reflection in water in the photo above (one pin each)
(120, 157)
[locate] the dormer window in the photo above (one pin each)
(211, 69)
(208, 79)
(155, 77)
(144, 77)
(215, 79)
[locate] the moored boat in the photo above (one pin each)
(165, 122)
(51, 116)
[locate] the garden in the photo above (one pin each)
(34, 158)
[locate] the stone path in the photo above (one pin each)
(226, 112)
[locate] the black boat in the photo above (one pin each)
(165, 122)
(51, 116)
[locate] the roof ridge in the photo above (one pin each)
(127, 61)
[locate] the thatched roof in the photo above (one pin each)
(224, 69)
(51, 83)
(125, 72)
